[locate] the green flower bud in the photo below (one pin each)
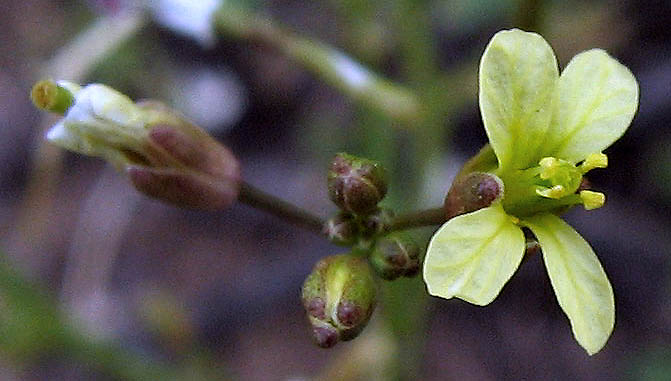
(343, 229)
(474, 191)
(394, 256)
(356, 185)
(339, 297)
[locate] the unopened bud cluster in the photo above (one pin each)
(348, 229)
(339, 295)
(356, 185)
(472, 192)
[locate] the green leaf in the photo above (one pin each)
(598, 98)
(581, 285)
(518, 77)
(473, 256)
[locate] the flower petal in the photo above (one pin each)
(598, 98)
(518, 77)
(473, 256)
(581, 285)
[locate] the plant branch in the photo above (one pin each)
(329, 64)
(428, 217)
(280, 208)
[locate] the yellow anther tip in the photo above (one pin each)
(594, 160)
(592, 200)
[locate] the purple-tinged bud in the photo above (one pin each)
(355, 184)
(376, 223)
(325, 336)
(339, 297)
(475, 191)
(316, 307)
(343, 229)
(349, 314)
(198, 172)
(165, 155)
(394, 256)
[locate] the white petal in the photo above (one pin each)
(598, 98)
(580, 284)
(518, 77)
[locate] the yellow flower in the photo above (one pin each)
(546, 132)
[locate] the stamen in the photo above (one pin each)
(556, 192)
(592, 200)
(594, 160)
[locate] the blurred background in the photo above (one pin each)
(100, 282)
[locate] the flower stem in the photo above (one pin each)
(428, 217)
(282, 209)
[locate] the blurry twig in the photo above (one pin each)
(328, 63)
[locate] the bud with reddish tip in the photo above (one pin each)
(355, 184)
(339, 297)
(395, 255)
(472, 192)
(165, 156)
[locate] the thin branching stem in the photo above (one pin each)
(284, 210)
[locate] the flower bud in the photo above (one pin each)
(343, 229)
(339, 297)
(475, 191)
(394, 256)
(165, 156)
(356, 185)
(376, 223)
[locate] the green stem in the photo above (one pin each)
(429, 217)
(280, 208)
